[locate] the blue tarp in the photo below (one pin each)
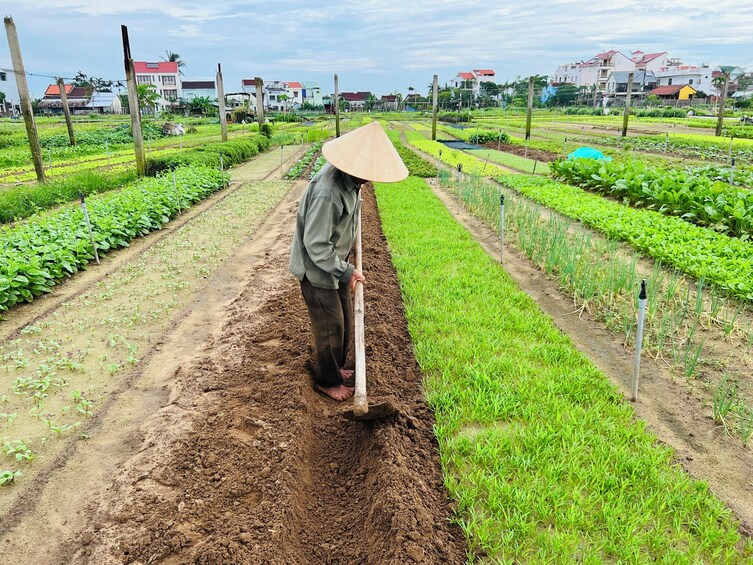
(588, 153)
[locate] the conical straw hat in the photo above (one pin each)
(366, 153)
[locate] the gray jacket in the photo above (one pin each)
(325, 229)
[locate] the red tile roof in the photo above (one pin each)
(466, 76)
(651, 56)
(294, 85)
(669, 90)
(53, 90)
(484, 72)
(248, 82)
(155, 68)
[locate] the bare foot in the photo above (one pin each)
(348, 376)
(339, 393)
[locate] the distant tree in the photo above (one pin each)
(370, 102)
(2, 97)
(98, 84)
(174, 58)
(564, 96)
(147, 95)
(654, 100)
(199, 105)
(36, 105)
(124, 102)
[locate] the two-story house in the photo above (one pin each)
(593, 72)
(312, 93)
(198, 89)
(698, 77)
(617, 84)
(472, 79)
(165, 79)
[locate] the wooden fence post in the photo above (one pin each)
(66, 111)
(221, 102)
(627, 105)
(133, 104)
(24, 99)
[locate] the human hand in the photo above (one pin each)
(355, 279)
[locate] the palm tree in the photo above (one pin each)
(174, 58)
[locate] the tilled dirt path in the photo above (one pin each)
(244, 463)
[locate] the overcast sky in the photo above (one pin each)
(379, 46)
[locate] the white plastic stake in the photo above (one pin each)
(666, 141)
(175, 190)
(732, 173)
(501, 227)
(440, 160)
(460, 176)
(639, 339)
(89, 226)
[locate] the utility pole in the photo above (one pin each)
(133, 104)
(259, 101)
(722, 103)
(337, 108)
(435, 89)
(66, 111)
(24, 99)
(530, 108)
(627, 105)
(221, 101)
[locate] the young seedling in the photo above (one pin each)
(725, 398)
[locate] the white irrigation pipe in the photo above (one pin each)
(89, 226)
(639, 339)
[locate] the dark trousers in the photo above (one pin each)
(331, 315)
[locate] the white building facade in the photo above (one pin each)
(165, 79)
(9, 88)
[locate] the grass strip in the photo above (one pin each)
(23, 201)
(544, 459)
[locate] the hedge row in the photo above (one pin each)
(232, 152)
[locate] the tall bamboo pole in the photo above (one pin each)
(24, 98)
(66, 111)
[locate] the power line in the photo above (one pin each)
(57, 77)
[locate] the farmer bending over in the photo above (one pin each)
(325, 231)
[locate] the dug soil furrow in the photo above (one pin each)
(245, 463)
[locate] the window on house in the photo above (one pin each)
(669, 82)
(168, 94)
(168, 80)
(3, 77)
(144, 79)
(690, 81)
